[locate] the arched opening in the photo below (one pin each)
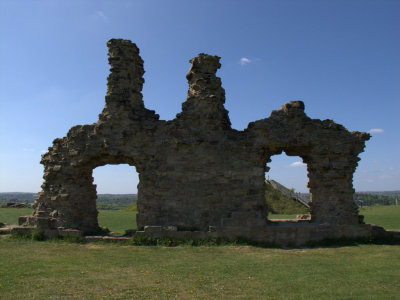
(287, 195)
(116, 202)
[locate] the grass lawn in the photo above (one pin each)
(60, 270)
(386, 216)
(280, 216)
(10, 215)
(117, 220)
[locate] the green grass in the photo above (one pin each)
(385, 216)
(279, 216)
(117, 220)
(62, 270)
(10, 215)
(279, 203)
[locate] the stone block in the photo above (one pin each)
(70, 233)
(22, 220)
(153, 228)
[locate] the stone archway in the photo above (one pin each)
(328, 149)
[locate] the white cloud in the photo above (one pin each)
(297, 164)
(244, 61)
(101, 15)
(28, 149)
(375, 130)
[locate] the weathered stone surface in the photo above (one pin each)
(195, 171)
(70, 233)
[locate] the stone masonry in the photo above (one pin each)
(196, 173)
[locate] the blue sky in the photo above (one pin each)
(340, 57)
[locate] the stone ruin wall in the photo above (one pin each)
(195, 171)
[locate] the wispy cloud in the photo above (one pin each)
(244, 61)
(376, 130)
(101, 15)
(297, 164)
(28, 149)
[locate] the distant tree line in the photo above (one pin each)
(121, 201)
(374, 198)
(25, 198)
(115, 201)
(104, 201)
(368, 199)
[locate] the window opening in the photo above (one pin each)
(116, 202)
(287, 195)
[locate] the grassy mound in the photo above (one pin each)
(279, 203)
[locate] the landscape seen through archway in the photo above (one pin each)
(116, 187)
(287, 194)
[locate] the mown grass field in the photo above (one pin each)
(386, 216)
(10, 215)
(61, 270)
(117, 220)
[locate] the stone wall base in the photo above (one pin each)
(284, 234)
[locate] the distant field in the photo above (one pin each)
(10, 215)
(115, 220)
(385, 216)
(119, 220)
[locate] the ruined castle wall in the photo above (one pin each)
(195, 171)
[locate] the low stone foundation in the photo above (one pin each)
(281, 233)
